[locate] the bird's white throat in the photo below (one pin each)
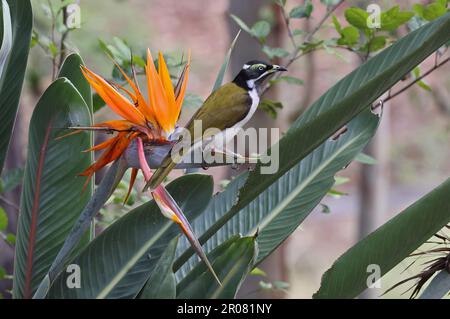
(253, 93)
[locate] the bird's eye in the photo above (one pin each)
(261, 68)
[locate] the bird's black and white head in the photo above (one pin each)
(254, 73)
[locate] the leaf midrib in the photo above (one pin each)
(132, 261)
(35, 212)
(300, 187)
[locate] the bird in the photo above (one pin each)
(227, 109)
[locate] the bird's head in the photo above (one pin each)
(254, 73)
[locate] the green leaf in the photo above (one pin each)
(335, 193)
(83, 224)
(162, 283)
(393, 18)
(3, 219)
(388, 245)
(34, 39)
(11, 239)
(278, 211)
(336, 24)
(270, 107)
(52, 194)
(11, 179)
(357, 17)
(123, 49)
(421, 83)
(281, 3)
(339, 180)
(53, 49)
(302, 11)
(118, 262)
(223, 69)
(424, 86)
(232, 261)
(375, 44)
(261, 30)
(14, 70)
(365, 159)
(139, 61)
(72, 71)
(439, 287)
(97, 103)
(258, 272)
(241, 24)
(349, 36)
(275, 52)
(328, 114)
(7, 40)
(433, 11)
(418, 9)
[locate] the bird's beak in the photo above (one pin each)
(277, 68)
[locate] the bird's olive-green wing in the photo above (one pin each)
(222, 109)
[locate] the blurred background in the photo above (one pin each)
(411, 146)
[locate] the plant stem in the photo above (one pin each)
(436, 66)
(295, 55)
(288, 27)
(54, 63)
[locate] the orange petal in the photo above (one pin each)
(115, 149)
(128, 92)
(156, 94)
(101, 146)
(116, 101)
(168, 88)
(119, 125)
(184, 79)
(142, 104)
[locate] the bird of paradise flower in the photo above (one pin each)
(145, 121)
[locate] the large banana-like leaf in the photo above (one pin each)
(232, 261)
(52, 196)
(6, 45)
(118, 262)
(71, 69)
(162, 283)
(278, 211)
(388, 245)
(340, 104)
(13, 66)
